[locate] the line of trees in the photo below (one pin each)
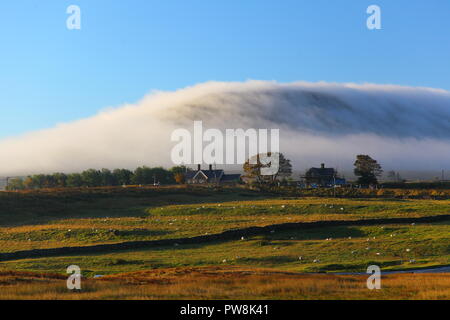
(99, 178)
(366, 169)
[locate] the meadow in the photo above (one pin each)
(53, 219)
(224, 283)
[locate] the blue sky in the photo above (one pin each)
(49, 74)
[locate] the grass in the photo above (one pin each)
(150, 222)
(225, 283)
(255, 267)
(392, 247)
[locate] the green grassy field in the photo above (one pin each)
(52, 220)
(392, 247)
(118, 219)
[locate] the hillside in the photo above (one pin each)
(108, 231)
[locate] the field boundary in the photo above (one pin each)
(228, 235)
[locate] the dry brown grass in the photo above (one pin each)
(224, 283)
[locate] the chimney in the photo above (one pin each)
(322, 165)
(199, 167)
(210, 167)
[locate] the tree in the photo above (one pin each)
(161, 175)
(180, 178)
(74, 180)
(28, 183)
(108, 178)
(92, 178)
(146, 175)
(122, 176)
(179, 173)
(15, 184)
(252, 168)
(179, 169)
(285, 168)
(367, 170)
(141, 175)
(60, 180)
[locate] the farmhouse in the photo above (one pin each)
(211, 176)
(323, 177)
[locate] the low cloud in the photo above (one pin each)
(402, 127)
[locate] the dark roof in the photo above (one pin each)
(190, 174)
(320, 172)
(211, 174)
(230, 177)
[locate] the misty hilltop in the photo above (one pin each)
(402, 127)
